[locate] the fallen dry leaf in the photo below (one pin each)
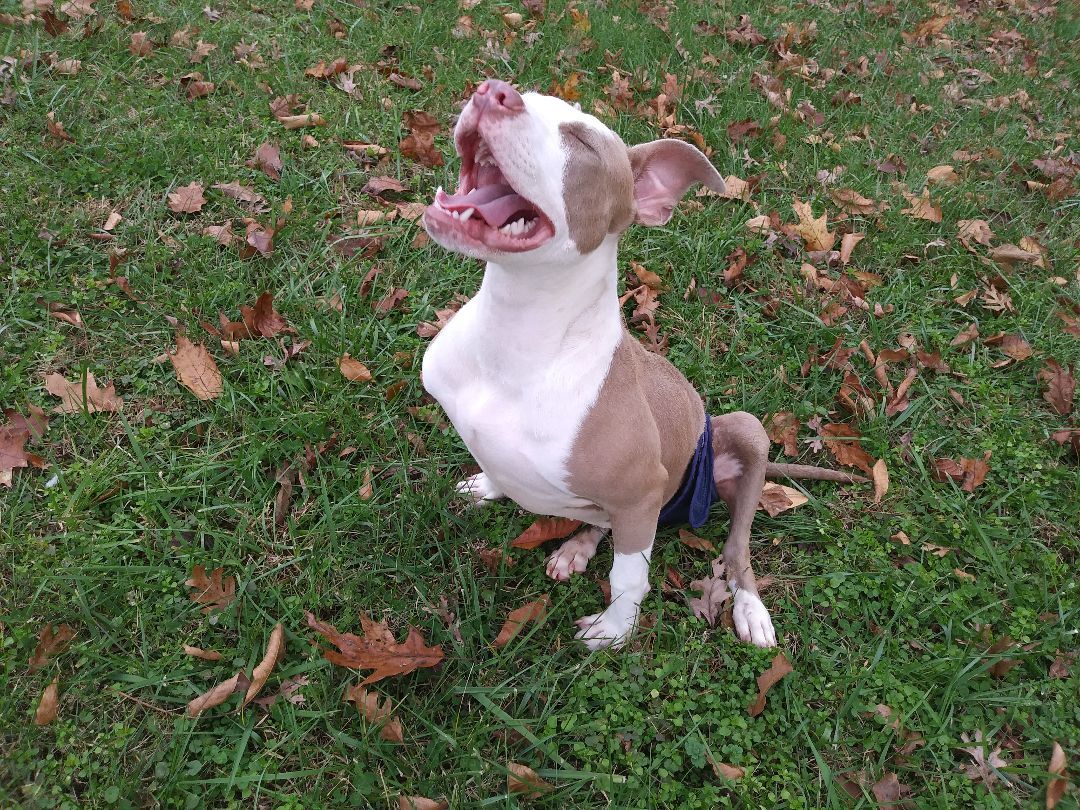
(724, 770)
(391, 301)
(814, 232)
(420, 803)
(1060, 386)
(50, 644)
(267, 159)
(196, 369)
(888, 790)
(13, 454)
(289, 689)
(49, 704)
(974, 230)
(242, 194)
(986, 765)
(852, 202)
(846, 452)
(377, 649)
(544, 529)
(198, 652)
(1060, 783)
(140, 44)
(880, 476)
(263, 319)
(847, 244)
(969, 472)
(83, 395)
(776, 498)
(783, 428)
(922, 207)
(1008, 256)
(187, 199)
(516, 621)
(275, 648)
(291, 122)
(376, 713)
(943, 176)
(767, 680)
(419, 144)
(353, 369)
(217, 695)
(691, 540)
(965, 335)
(35, 425)
(215, 592)
(714, 593)
(522, 779)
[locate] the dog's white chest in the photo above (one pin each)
(517, 401)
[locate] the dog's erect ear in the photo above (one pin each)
(663, 171)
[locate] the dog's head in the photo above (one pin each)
(541, 181)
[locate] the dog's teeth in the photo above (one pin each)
(455, 214)
(468, 212)
(507, 229)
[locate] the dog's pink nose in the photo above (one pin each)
(495, 94)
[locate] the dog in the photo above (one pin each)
(565, 412)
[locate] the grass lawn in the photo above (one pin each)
(943, 614)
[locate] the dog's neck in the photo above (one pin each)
(540, 310)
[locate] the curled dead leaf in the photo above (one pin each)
(187, 199)
(779, 668)
(523, 780)
(49, 704)
(530, 612)
(421, 803)
(198, 652)
(776, 498)
(1060, 781)
(353, 369)
(275, 648)
(218, 694)
(544, 529)
(50, 644)
(880, 476)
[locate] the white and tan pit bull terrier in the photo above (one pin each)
(565, 412)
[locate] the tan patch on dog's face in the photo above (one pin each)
(598, 184)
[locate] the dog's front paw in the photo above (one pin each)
(570, 558)
(607, 629)
(752, 621)
(479, 489)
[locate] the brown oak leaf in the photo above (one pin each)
(187, 199)
(836, 438)
(83, 395)
(714, 593)
(214, 592)
(376, 713)
(377, 649)
(50, 644)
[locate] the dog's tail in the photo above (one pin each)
(815, 473)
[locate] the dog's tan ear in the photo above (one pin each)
(663, 171)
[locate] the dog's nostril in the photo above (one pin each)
(501, 95)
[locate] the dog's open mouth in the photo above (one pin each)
(486, 208)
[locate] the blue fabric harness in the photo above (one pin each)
(698, 491)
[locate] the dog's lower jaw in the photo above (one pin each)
(629, 580)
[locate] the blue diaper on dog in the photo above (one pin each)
(698, 491)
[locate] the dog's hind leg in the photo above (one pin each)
(574, 554)
(740, 454)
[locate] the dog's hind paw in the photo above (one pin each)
(752, 621)
(479, 489)
(570, 558)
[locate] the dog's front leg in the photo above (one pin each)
(633, 532)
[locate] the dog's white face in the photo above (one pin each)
(540, 181)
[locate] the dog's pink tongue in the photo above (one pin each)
(495, 203)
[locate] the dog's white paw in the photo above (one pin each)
(570, 558)
(479, 489)
(752, 621)
(607, 629)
